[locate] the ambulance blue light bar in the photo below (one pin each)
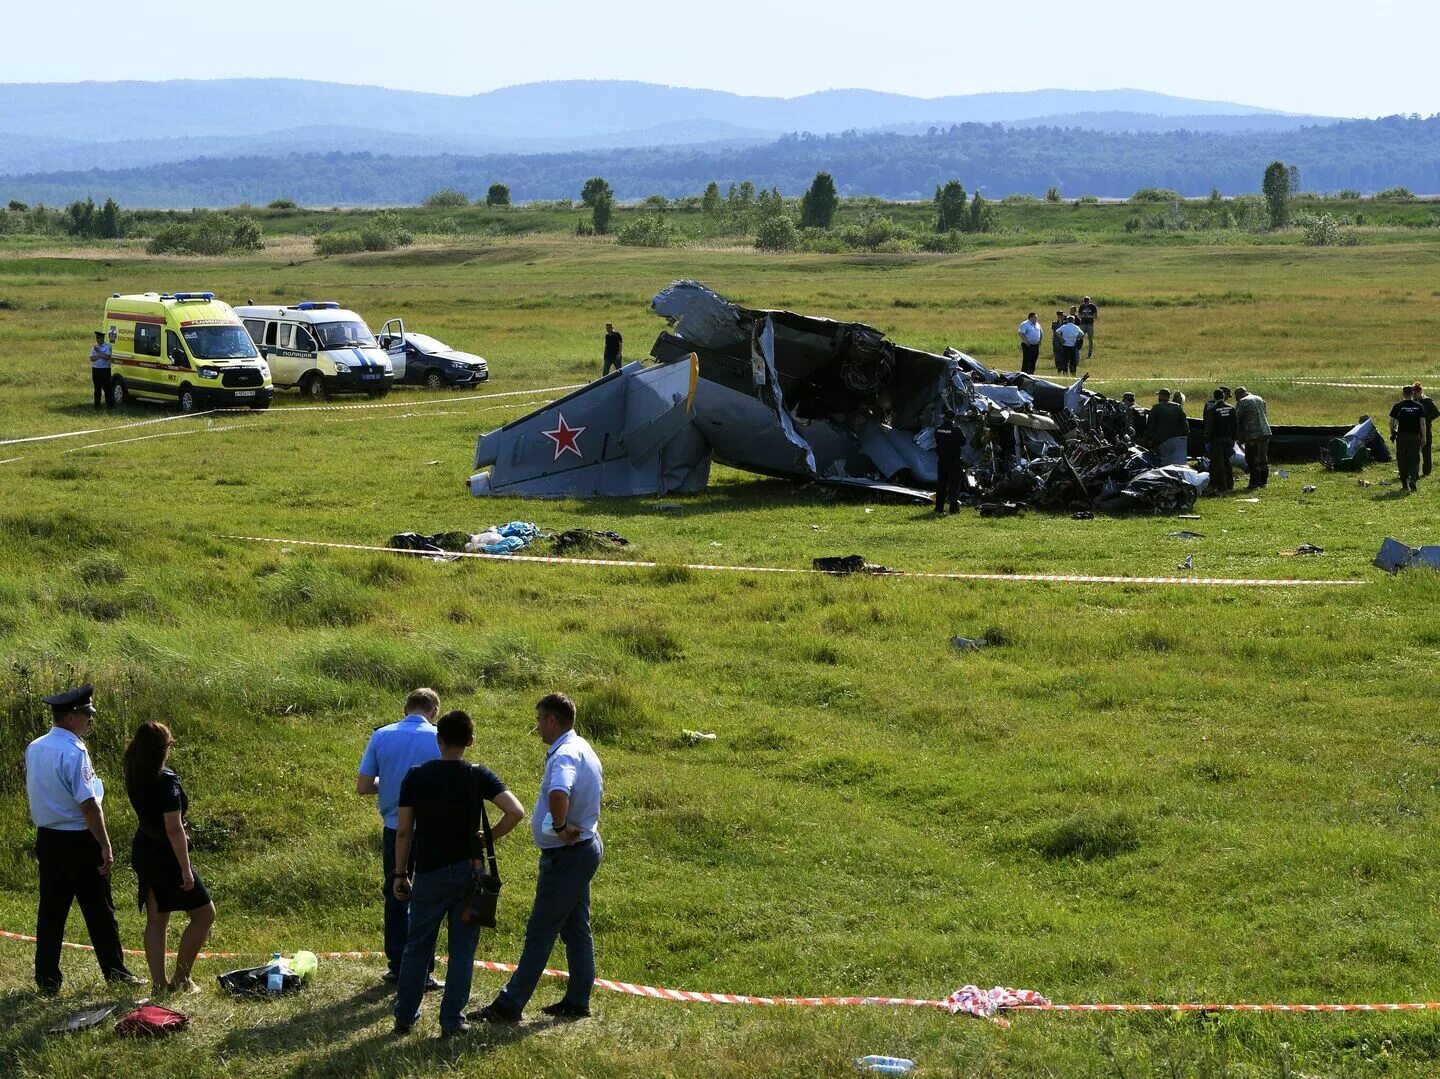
(201, 297)
(318, 305)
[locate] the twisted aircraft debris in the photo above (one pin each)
(834, 403)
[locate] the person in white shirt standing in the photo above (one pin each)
(72, 844)
(100, 367)
(1030, 336)
(1070, 335)
(564, 824)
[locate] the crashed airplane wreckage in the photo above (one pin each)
(834, 403)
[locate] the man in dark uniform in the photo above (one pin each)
(1135, 417)
(1057, 347)
(1088, 314)
(614, 349)
(949, 463)
(1432, 412)
(1407, 431)
(1219, 427)
(71, 842)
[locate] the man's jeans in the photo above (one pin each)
(562, 909)
(1089, 328)
(436, 895)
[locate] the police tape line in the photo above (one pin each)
(263, 413)
(613, 563)
(107, 430)
(690, 996)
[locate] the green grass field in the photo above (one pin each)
(1135, 794)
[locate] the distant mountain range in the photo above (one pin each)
(1367, 155)
(55, 127)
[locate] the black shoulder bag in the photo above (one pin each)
(484, 883)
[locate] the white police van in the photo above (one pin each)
(319, 347)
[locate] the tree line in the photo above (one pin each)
(1366, 155)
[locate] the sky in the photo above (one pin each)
(1320, 57)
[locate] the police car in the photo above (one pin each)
(319, 347)
(422, 360)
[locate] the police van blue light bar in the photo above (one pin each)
(318, 305)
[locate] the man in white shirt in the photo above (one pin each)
(1030, 335)
(72, 844)
(1070, 335)
(564, 824)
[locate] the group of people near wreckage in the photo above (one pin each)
(1069, 333)
(1165, 429)
(438, 854)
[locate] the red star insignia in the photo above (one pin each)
(565, 437)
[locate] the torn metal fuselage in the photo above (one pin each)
(775, 393)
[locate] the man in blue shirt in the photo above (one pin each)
(393, 750)
(72, 843)
(565, 828)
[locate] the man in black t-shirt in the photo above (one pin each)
(1088, 314)
(1220, 428)
(1432, 413)
(614, 349)
(1407, 431)
(441, 803)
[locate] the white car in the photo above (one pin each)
(422, 360)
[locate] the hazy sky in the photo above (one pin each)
(1320, 57)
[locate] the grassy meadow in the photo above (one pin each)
(1133, 794)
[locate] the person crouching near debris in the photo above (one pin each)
(949, 463)
(160, 856)
(440, 809)
(1167, 431)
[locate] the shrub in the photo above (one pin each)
(346, 242)
(601, 212)
(282, 204)
(1155, 194)
(498, 195)
(1322, 230)
(219, 233)
(447, 197)
(647, 231)
(1088, 200)
(777, 234)
(1402, 194)
(1052, 194)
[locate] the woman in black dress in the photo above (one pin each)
(161, 856)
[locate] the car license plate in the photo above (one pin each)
(369, 378)
(244, 393)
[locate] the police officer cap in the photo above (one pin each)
(72, 700)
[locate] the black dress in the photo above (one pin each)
(151, 854)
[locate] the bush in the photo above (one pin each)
(1401, 194)
(1155, 194)
(777, 234)
(346, 242)
(1322, 230)
(498, 195)
(383, 232)
(647, 231)
(282, 204)
(209, 234)
(447, 197)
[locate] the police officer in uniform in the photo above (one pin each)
(1220, 428)
(1407, 431)
(949, 463)
(71, 843)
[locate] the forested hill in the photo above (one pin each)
(1367, 155)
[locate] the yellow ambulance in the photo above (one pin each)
(186, 347)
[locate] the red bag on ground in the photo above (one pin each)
(152, 1021)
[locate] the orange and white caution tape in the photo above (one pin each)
(613, 563)
(689, 996)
